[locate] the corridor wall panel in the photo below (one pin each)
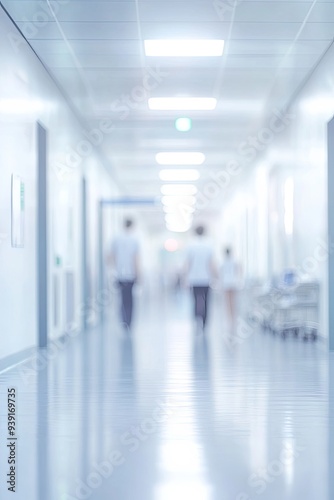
(296, 155)
(29, 95)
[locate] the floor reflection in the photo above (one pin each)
(170, 412)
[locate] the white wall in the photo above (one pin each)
(28, 94)
(299, 152)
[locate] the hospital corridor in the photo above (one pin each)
(166, 250)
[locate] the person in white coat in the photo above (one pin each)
(200, 271)
(125, 259)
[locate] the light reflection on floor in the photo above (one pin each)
(170, 415)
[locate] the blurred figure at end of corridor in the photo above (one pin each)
(230, 274)
(200, 270)
(125, 260)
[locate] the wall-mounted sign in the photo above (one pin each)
(17, 212)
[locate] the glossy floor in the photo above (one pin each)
(170, 414)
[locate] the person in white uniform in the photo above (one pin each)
(200, 269)
(125, 259)
(230, 276)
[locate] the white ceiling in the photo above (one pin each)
(94, 49)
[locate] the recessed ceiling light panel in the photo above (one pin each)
(178, 190)
(182, 103)
(178, 201)
(184, 48)
(180, 158)
(178, 228)
(173, 219)
(176, 209)
(174, 175)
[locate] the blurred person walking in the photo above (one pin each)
(125, 260)
(230, 278)
(200, 270)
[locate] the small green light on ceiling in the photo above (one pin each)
(183, 124)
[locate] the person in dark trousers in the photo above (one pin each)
(125, 259)
(200, 269)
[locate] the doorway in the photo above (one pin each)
(42, 256)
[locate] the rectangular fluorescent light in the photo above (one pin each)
(174, 174)
(182, 103)
(184, 218)
(178, 228)
(184, 48)
(178, 190)
(172, 209)
(178, 201)
(180, 158)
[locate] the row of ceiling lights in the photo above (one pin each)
(179, 200)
